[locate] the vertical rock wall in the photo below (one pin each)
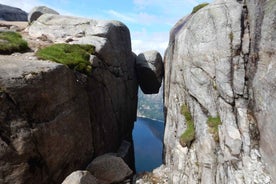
(219, 64)
(53, 120)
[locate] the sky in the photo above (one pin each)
(149, 21)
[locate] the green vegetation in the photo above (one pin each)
(75, 56)
(231, 36)
(11, 42)
(213, 123)
(189, 135)
(2, 90)
(198, 7)
(214, 85)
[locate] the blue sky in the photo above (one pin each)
(149, 21)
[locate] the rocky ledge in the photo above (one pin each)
(54, 120)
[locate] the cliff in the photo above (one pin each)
(54, 120)
(220, 95)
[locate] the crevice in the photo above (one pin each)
(255, 36)
(203, 109)
(245, 26)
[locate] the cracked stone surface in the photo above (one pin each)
(219, 63)
(54, 121)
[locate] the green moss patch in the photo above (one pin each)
(198, 7)
(189, 134)
(75, 56)
(231, 36)
(213, 123)
(11, 42)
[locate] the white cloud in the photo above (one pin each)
(166, 12)
(144, 40)
(166, 4)
(141, 18)
(120, 16)
(25, 5)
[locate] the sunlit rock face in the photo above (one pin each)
(37, 11)
(53, 120)
(220, 63)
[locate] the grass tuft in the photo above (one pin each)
(11, 42)
(198, 7)
(189, 134)
(213, 123)
(75, 56)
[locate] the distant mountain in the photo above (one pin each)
(151, 106)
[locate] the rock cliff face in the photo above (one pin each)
(220, 64)
(54, 121)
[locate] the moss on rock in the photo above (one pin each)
(198, 7)
(213, 123)
(11, 42)
(75, 56)
(189, 134)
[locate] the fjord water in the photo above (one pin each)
(148, 146)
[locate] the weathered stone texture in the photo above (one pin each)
(55, 121)
(220, 63)
(45, 124)
(80, 177)
(109, 168)
(37, 11)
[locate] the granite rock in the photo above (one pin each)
(150, 71)
(9, 13)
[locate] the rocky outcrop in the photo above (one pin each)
(45, 121)
(219, 64)
(37, 11)
(109, 168)
(55, 121)
(150, 71)
(80, 177)
(9, 13)
(115, 62)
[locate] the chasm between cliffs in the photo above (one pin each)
(148, 132)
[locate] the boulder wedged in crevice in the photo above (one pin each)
(150, 71)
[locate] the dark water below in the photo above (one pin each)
(148, 137)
